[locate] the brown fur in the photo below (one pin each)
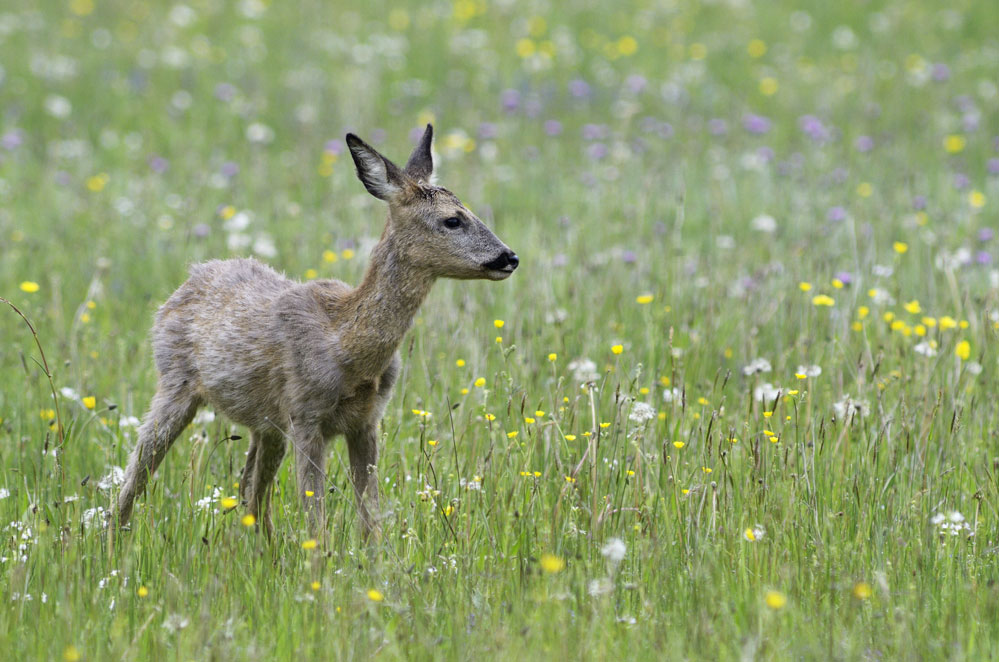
(304, 362)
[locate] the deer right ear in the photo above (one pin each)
(421, 162)
(381, 177)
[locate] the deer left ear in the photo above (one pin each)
(421, 162)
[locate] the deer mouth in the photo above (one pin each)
(502, 266)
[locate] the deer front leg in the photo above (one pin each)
(362, 446)
(269, 451)
(310, 463)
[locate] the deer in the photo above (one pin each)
(301, 363)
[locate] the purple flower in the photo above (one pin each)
(971, 120)
(335, 146)
(487, 130)
(836, 214)
(594, 131)
(230, 169)
(993, 166)
(635, 83)
(225, 92)
(813, 128)
(864, 144)
(940, 72)
(629, 257)
(12, 139)
(201, 230)
(986, 234)
(919, 202)
(553, 127)
(756, 123)
(533, 107)
(844, 277)
(961, 181)
(510, 99)
(579, 88)
(717, 127)
(665, 130)
(983, 257)
(766, 153)
(840, 175)
(597, 151)
(158, 164)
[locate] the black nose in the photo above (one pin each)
(507, 260)
(512, 259)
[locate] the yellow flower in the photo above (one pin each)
(749, 534)
(823, 300)
(248, 520)
(90, 402)
(539, 413)
(627, 45)
(432, 442)
(499, 340)
(963, 350)
(498, 323)
(229, 503)
(512, 434)
(329, 256)
(900, 247)
(863, 312)
(643, 299)
(309, 544)
(929, 321)
(29, 286)
(775, 599)
(311, 274)
(913, 307)
(976, 199)
(837, 283)
(865, 190)
(862, 590)
(71, 654)
(954, 143)
(490, 417)
(97, 183)
(805, 286)
(768, 86)
(947, 322)
(553, 357)
(525, 47)
(142, 592)
(678, 444)
(703, 401)
(551, 563)
(310, 493)
(315, 586)
(706, 470)
(528, 420)
(460, 363)
(227, 212)
(756, 48)
(480, 382)
(604, 426)
(375, 595)
(768, 414)
(570, 437)
(617, 349)
(800, 375)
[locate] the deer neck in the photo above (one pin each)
(381, 309)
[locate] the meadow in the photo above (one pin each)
(738, 401)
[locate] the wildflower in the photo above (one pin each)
(900, 247)
(552, 564)
(756, 48)
(375, 595)
(753, 533)
(766, 392)
(89, 402)
(539, 413)
(862, 590)
(767, 414)
(142, 592)
(954, 143)
(553, 357)
(460, 363)
(570, 437)
(498, 323)
(617, 349)
(947, 322)
(963, 350)
(641, 413)
(71, 654)
(528, 420)
(347, 254)
(912, 307)
(706, 470)
(480, 382)
(29, 286)
(800, 375)
(928, 349)
(952, 523)
(315, 586)
(512, 434)
(775, 599)
(490, 417)
(643, 299)
(309, 544)
(672, 394)
(756, 366)
(810, 370)
(976, 199)
(432, 442)
(865, 190)
(768, 86)
(499, 340)
(764, 223)
(583, 370)
(248, 520)
(863, 312)
(823, 300)
(308, 493)
(614, 550)
(604, 425)
(229, 503)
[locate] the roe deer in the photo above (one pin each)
(308, 361)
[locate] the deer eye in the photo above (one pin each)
(452, 223)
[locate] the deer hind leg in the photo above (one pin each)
(362, 446)
(267, 451)
(170, 411)
(310, 464)
(246, 478)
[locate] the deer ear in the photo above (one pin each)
(421, 162)
(381, 177)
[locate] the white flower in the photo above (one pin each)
(614, 550)
(925, 348)
(204, 416)
(90, 514)
(952, 523)
(766, 392)
(809, 370)
(263, 245)
(974, 367)
(239, 222)
(175, 622)
(598, 587)
(764, 223)
(584, 370)
(882, 270)
(641, 413)
(672, 394)
(69, 394)
(116, 476)
(4, 493)
(259, 133)
(847, 408)
(756, 366)
(754, 533)
(129, 422)
(57, 106)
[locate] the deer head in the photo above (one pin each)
(430, 229)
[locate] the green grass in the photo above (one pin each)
(655, 200)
